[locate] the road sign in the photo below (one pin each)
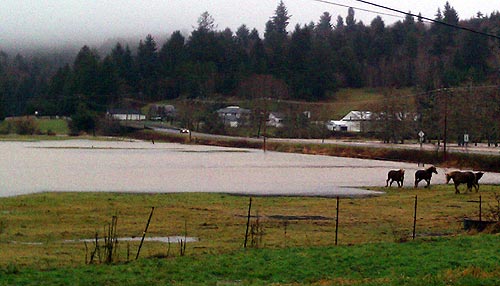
(421, 134)
(466, 138)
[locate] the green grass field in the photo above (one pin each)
(56, 126)
(294, 244)
(466, 260)
(42, 126)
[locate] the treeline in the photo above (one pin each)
(308, 63)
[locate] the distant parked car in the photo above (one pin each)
(184, 130)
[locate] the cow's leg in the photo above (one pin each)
(456, 189)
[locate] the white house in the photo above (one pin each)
(125, 114)
(354, 121)
(275, 119)
(233, 116)
(336, 125)
(357, 121)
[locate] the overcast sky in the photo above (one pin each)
(59, 22)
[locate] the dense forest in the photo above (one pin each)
(308, 63)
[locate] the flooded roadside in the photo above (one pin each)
(144, 167)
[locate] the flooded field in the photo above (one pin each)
(144, 167)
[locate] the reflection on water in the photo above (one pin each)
(138, 166)
(163, 239)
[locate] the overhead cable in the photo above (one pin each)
(357, 8)
(429, 19)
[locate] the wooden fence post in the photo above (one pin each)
(480, 207)
(415, 218)
(144, 233)
(337, 222)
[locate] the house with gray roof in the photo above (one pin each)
(234, 116)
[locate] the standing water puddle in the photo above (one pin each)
(163, 239)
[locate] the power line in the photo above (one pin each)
(408, 14)
(428, 19)
(360, 9)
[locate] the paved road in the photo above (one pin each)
(481, 148)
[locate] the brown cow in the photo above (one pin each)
(395, 175)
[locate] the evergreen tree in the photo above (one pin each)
(340, 23)
(243, 44)
(243, 38)
(172, 56)
(148, 67)
(450, 16)
(173, 53)
(231, 66)
(275, 41)
(473, 54)
(59, 98)
(202, 44)
(108, 85)
(324, 27)
(124, 63)
(206, 23)
(258, 56)
(300, 61)
(280, 20)
(350, 21)
(2, 85)
(205, 53)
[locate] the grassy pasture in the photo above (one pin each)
(33, 228)
(55, 126)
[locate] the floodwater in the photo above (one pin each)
(144, 167)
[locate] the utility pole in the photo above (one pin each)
(445, 139)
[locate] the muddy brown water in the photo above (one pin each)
(144, 167)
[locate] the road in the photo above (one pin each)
(480, 148)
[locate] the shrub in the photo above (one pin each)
(26, 126)
(83, 120)
(5, 127)
(111, 128)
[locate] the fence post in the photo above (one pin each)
(144, 233)
(480, 207)
(415, 218)
(337, 222)
(248, 222)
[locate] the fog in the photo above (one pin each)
(73, 23)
